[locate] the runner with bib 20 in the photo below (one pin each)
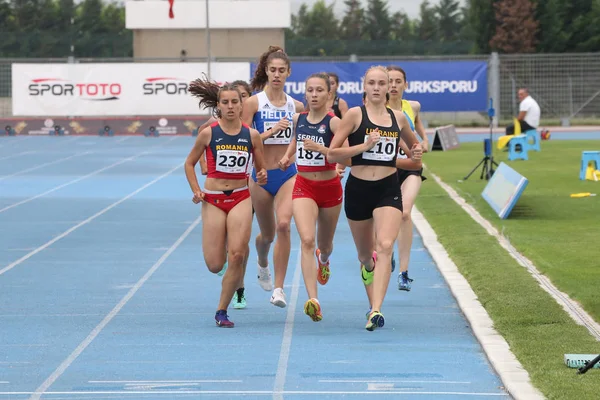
(270, 112)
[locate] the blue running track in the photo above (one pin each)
(104, 295)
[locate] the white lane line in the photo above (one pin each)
(84, 222)
(78, 179)
(96, 331)
(286, 342)
(3, 177)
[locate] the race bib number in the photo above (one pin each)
(384, 150)
(283, 137)
(308, 158)
(232, 161)
(401, 154)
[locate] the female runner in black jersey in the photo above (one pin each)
(373, 200)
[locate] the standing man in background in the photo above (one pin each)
(529, 113)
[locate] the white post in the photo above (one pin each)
(207, 39)
(495, 85)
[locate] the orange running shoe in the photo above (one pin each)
(324, 271)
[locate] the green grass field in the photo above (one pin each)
(559, 234)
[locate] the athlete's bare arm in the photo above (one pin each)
(343, 105)
(408, 164)
(406, 133)
(284, 163)
(259, 157)
(193, 157)
(416, 106)
(299, 106)
(334, 124)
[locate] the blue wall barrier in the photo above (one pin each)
(440, 86)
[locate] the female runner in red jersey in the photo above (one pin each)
(226, 205)
(317, 194)
(246, 92)
(239, 298)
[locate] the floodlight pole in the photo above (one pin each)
(207, 39)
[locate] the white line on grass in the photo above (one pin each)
(84, 222)
(286, 342)
(96, 331)
(575, 311)
(54, 189)
(514, 377)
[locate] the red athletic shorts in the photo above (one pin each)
(326, 194)
(226, 200)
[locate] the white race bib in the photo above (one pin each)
(283, 137)
(307, 157)
(401, 154)
(384, 150)
(231, 161)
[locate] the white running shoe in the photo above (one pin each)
(278, 298)
(264, 278)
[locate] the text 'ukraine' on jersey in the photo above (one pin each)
(385, 151)
(227, 156)
(320, 133)
(268, 116)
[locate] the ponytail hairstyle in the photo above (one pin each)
(260, 75)
(209, 93)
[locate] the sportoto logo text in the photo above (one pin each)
(100, 91)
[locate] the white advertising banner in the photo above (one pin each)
(117, 89)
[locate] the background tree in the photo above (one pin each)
(427, 27)
(516, 27)
(353, 22)
(378, 22)
(482, 19)
(551, 36)
(449, 20)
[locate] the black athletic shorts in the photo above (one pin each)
(362, 197)
(403, 174)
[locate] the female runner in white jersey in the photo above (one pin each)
(270, 112)
(226, 205)
(318, 194)
(373, 200)
(410, 174)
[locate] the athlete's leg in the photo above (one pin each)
(263, 204)
(239, 225)
(305, 217)
(387, 225)
(283, 217)
(213, 237)
(410, 189)
(362, 233)
(327, 224)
